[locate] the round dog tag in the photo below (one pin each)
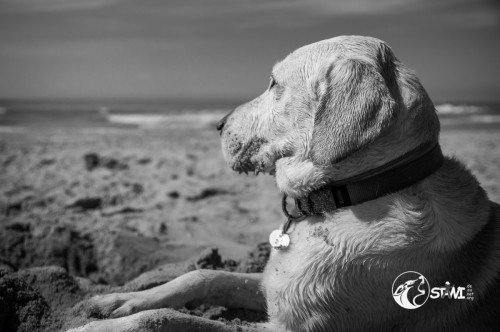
(278, 240)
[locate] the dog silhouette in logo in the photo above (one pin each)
(401, 294)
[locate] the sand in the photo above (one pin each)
(87, 211)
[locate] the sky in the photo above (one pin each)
(225, 49)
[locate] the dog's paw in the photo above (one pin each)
(112, 305)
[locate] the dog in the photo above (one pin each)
(343, 111)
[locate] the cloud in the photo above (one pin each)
(476, 13)
(364, 6)
(53, 5)
(455, 13)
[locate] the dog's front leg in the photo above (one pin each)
(165, 320)
(232, 290)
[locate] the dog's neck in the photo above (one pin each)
(397, 174)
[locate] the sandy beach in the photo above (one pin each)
(86, 210)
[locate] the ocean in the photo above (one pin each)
(19, 115)
(29, 115)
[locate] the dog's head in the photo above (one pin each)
(332, 109)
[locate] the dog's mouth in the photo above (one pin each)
(271, 170)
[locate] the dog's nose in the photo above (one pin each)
(222, 122)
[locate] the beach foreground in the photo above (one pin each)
(86, 210)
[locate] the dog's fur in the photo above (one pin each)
(335, 109)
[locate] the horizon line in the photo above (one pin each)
(186, 101)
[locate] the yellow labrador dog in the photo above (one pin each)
(352, 136)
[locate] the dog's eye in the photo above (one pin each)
(272, 83)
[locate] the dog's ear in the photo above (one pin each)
(356, 103)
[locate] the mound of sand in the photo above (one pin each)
(44, 298)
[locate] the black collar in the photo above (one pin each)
(394, 176)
